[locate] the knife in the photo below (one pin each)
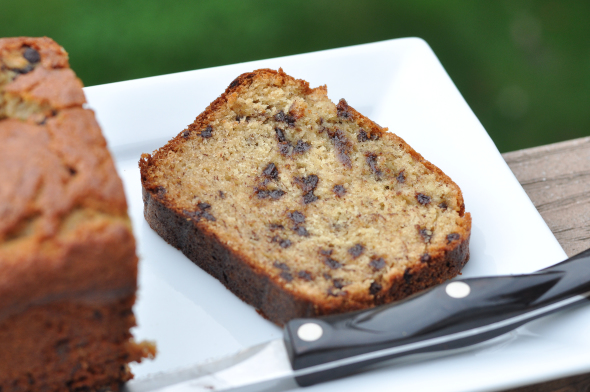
(451, 316)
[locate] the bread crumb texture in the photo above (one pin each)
(313, 196)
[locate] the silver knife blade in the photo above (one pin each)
(258, 368)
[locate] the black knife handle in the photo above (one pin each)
(431, 315)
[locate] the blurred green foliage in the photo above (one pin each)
(523, 66)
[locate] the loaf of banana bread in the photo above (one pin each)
(68, 266)
(302, 207)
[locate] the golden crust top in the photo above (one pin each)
(52, 55)
(55, 159)
(60, 196)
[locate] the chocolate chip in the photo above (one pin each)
(235, 82)
(262, 193)
(285, 149)
(301, 147)
(283, 243)
(327, 276)
(296, 217)
(339, 190)
(362, 136)
(307, 184)
(309, 197)
(280, 135)
(333, 292)
(372, 162)
(276, 194)
(203, 206)
(195, 215)
(72, 171)
(265, 193)
(62, 348)
(342, 146)
(208, 216)
(185, 134)
(401, 178)
(333, 264)
(160, 191)
(276, 226)
(286, 118)
(356, 250)
(24, 70)
(375, 288)
(304, 275)
(339, 283)
(425, 258)
(407, 275)
(344, 111)
(280, 116)
(443, 205)
(425, 233)
(452, 237)
(377, 264)
(207, 132)
(302, 231)
(271, 171)
(221, 194)
(281, 266)
(422, 198)
(31, 55)
(287, 276)
(326, 252)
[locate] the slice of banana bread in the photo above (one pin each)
(302, 207)
(68, 267)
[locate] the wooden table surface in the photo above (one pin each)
(557, 179)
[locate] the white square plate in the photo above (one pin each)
(401, 85)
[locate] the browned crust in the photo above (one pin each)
(273, 301)
(56, 161)
(241, 275)
(87, 341)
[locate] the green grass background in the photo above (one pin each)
(523, 66)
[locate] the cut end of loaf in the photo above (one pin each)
(313, 197)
